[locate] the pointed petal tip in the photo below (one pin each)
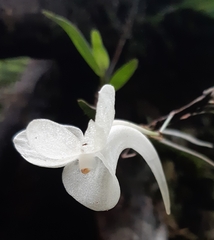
(166, 199)
(168, 211)
(165, 195)
(167, 204)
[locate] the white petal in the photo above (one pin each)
(76, 131)
(29, 154)
(122, 137)
(52, 140)
(94, 139)
(105, 108)
(97, 190)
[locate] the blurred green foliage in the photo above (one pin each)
(10, 70)
(79, 41)
(206, 6)
(89, 110)
(123, 74)
(99, 52)
(95, 54)
(203, 6)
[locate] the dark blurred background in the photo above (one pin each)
(174, 42)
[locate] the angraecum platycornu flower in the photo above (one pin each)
(89, 159)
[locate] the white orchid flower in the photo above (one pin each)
(89, 160)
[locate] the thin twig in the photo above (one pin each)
(201, 105)
(187, 137)
(126, 32)
(187, 150)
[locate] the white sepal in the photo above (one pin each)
(122, 137)
(105, 109)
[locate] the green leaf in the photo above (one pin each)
(99, 51)
(89, 110)
(123, 74)
(78, 40)
(205, 5)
